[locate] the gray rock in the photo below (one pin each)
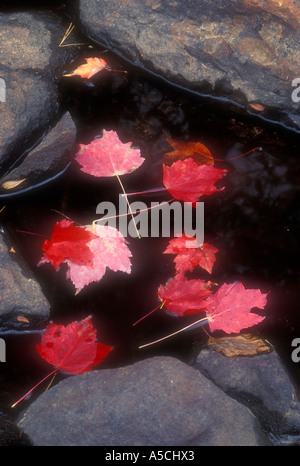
(244, 51)
(259, 382)
(31, 64)
(158, 401)
(47, 160)
(20, 293)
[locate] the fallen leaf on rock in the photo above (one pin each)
(189, 254)
(12, 184)
(239, 345)
(257, 107)
(187, 181)
(22, 319)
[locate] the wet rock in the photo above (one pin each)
(158, 401)
(47, 160)
(31, 64)
(22, 302)
(244, 51)
(262, 384)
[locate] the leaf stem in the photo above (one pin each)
(204, 320)
(148, 191)
(30, 233)
(158, 307)
(24, 396)
(129, 207)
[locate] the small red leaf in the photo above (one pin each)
(229, 308)
(73, 348)
(187, 181)
(68, 242)
(182, 296)
(108, 156)
(189, 254)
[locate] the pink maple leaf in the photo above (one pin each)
(229, 308)
(109, 249)
(108, 156)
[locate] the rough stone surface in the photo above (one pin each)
(31, 64)
(158, 401)
(259, 382)
(245, 50)
(48, 159)
(20, 293)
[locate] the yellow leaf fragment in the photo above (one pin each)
(12, 184)
(22, 319)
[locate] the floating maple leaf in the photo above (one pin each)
(87, 251)
(182, 296)
(196, 150)
(189, 254)
(109, 249)
(68, 242)
(72, 348)
(108, 156)
(229, 308)
(187, 181)
(90, 68)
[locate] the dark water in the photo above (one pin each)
(254, 221)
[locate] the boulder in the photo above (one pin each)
(46, 161)
(262, 384)
(31, 65)
(244, 51)
(159, 402)
(22, 302)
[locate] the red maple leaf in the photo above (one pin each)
(182, 296)
(87, 251)
(68, 242)
(72, 348)
(109, 249)
(108, 156)
(188, 181)
(189, 254)
(229, 308)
